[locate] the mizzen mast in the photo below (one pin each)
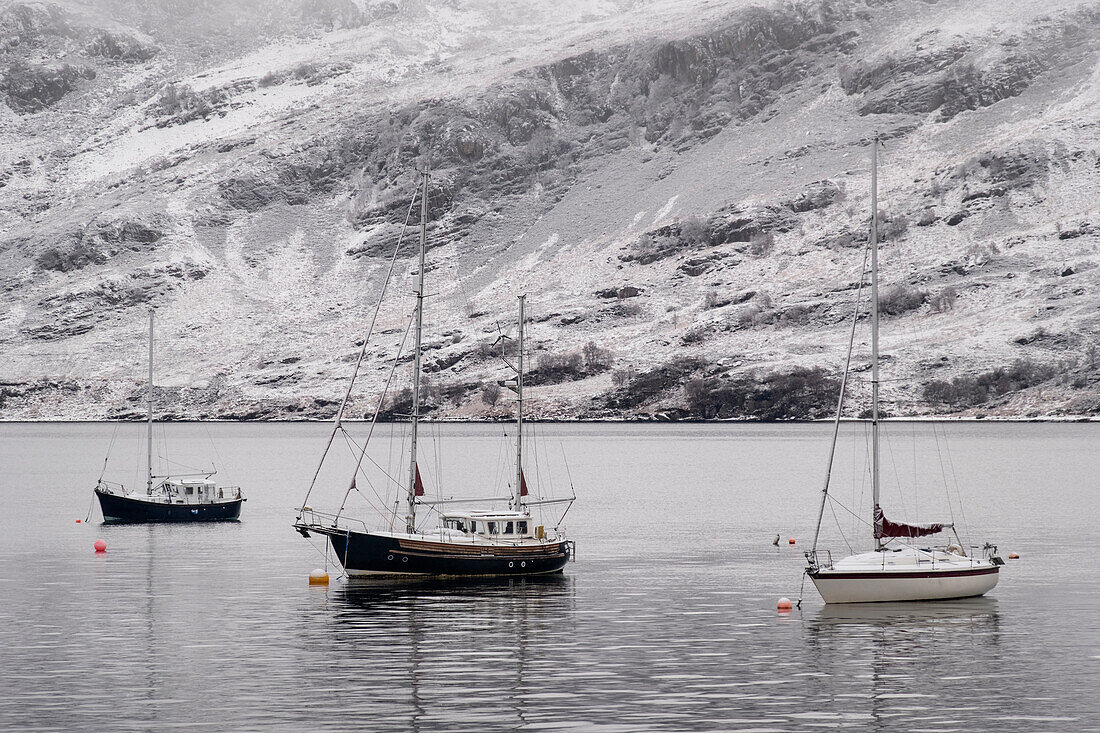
(521, 485)
(149, 425)
(414, 475)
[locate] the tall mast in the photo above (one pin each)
(874, 329)
(519, 412)
(149, 431)
(410, 516)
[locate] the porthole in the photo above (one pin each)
(510, 563)
(523, 564)
(404, 559)
(389, 557)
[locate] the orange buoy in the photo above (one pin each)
(78, 521)
(1013, 556)
(790, 541)
(784, 605)
(100, 546)
(318, 577)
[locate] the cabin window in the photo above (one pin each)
(460, 525)
(521, 527)
(190, 489)
(508, 528)
(473, 526)
(492, 527)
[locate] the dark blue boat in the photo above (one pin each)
(174, 501)
(469, 544)
(170, 500)
(502, 542)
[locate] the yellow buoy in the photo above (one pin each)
(318, 577)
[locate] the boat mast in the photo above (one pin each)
(149, 431)
(874, 332)
(410, 516)
(519, 412)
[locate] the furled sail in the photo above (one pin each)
(418, 485)
(885, 528)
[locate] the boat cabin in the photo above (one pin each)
(197, 492)
(498, 525)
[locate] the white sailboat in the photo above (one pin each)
(894, 570)
(484, 542)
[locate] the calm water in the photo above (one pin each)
(666, 621)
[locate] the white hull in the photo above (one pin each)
(915, 575)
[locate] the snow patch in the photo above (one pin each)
(665, 210)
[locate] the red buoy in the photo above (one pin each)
(790, 541)
(78, 521)
(100, 546)
(784, 605)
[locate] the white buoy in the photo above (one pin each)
(318, 577)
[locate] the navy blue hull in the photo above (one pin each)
(118, 508)
(362, 553)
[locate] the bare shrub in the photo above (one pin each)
(962, 392)
(901, 298)
(796, 315)
(798, 394)
(486, 349)
(694, 232)
(892, 227)
(619, 377)
(595, 357)
(695, 335)
(304, 71)
(490, 393)
(944, 300)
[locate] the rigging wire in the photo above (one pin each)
(897, 474)
(213, 446)
(943, 473)
(110, 446)
(362, 352)
(350, 441)
(958, 491)
(840, 397)
(374, 420)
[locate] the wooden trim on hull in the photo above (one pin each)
(884, 587)
(362, 553)
(124, 509)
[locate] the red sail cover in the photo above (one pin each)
(522, 484)
(418, 485)
(885, 528)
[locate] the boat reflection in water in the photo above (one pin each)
(439, 653)
(909, 665)
(981, 609)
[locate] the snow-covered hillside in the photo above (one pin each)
(680, 187)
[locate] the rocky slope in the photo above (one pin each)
(681, 188)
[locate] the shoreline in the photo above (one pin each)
(607, 421)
